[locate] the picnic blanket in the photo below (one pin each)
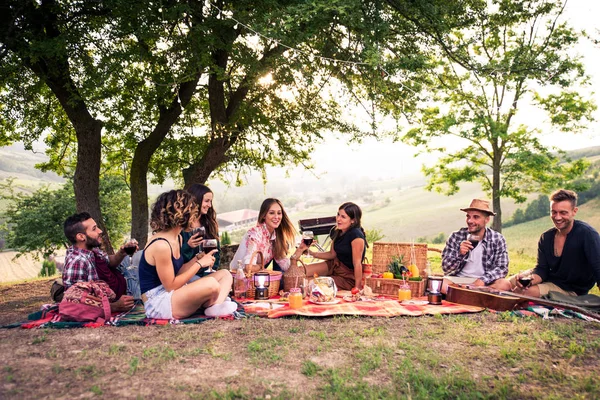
(377, 308)
(48, 317)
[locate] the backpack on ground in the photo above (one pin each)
(87, 301)
(57, 290)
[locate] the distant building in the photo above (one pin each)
(238, 219)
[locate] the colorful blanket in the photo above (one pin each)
(377, 308)
(49, 317)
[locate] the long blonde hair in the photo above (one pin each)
(285, 232)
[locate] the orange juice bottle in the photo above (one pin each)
(295, 298)
(404, 292)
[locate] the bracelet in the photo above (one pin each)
(199, 263)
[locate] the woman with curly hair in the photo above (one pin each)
(343, 262)
(170, 288)
(208, 219)
(272, 236)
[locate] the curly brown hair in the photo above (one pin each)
(172, 209)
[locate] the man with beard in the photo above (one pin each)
(85, 261)
(476, 255)
(568, 259)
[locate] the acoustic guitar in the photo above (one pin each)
(482, 296)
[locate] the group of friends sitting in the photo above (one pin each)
(172, 278)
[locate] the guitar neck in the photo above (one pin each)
(559, 304)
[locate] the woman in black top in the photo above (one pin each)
(343, 262)
(208, 219)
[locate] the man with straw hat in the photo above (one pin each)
(476, 255)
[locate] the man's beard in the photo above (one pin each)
(90, 243)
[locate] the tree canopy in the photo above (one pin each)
(515, 53)
(187, 89)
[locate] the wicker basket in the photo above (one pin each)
(383, 253)
(275, 276)
(273, 287)
(294, 276)
(389, 287)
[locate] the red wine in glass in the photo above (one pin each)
(525, 281)
(209, 245)
(208, 248)
(130, 250)
(308, 237)
(474, 239)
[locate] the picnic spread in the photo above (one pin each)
(318, 296)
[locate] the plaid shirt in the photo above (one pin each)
(80, 265)
(494, 258)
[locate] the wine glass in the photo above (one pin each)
(209, 245)
(308, 237)
(525, 279)
(201, 230)
(474, 239)
(130, 248)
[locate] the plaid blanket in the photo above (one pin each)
(378, 308)
(48, 317)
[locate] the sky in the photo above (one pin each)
(388, 159)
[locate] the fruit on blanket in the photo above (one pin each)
(354, 290)
(388, 275)
(414, 270)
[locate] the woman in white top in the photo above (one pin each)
(272, 236)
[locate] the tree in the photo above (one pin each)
(36, 41)
(35, 222)
(517, 52)
(137, 78)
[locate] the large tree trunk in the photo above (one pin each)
(200, 171)
(143, 154)
(497, 223)
(86, 181)
(55, 71)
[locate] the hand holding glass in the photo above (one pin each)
(201, 232)
(209, 245)
(525, 280)
(130, 248)
(308, 238)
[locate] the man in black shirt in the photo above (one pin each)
(568, 254)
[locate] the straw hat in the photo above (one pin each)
(479, 205)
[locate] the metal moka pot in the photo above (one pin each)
(434, 289)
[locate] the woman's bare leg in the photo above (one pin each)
(225, 282)
(187, 299)
(319, 268)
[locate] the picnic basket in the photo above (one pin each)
(274, 275)
(382, 256)
(389, 287)
(384, 252)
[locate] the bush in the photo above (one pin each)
(48, 268)
(373, 235)
(225, 239)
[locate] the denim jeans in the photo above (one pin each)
(131, 274)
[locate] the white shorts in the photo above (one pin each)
(158, 301)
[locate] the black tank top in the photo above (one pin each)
(148, 276)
